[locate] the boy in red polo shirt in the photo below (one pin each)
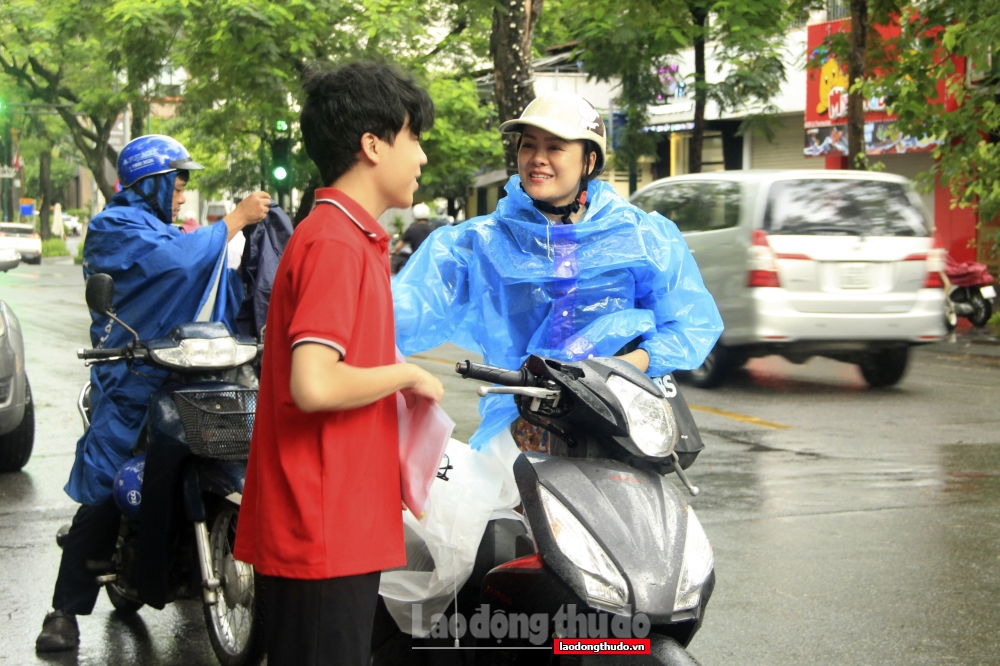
(320, 516)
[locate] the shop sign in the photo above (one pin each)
(827, 98)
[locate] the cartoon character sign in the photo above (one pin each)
(832, 89)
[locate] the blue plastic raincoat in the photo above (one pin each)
(163, 277)
(513, 283)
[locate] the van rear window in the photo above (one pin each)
(838, 207)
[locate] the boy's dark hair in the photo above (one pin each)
(344, 103)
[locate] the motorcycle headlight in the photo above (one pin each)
(604, 583)
(651, 422)
(200, 353)
(696, 567)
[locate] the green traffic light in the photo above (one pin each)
(280, 173)
(281, 126)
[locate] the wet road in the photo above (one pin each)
(850, 526)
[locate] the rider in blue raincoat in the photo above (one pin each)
(163, 277)
(564, 268)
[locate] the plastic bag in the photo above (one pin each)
(424, 432)
(441, 551)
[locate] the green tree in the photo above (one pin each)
(89, 61)
(941, 41)
(246, 60)
(631, 39)
(46, 150)
(464, 140)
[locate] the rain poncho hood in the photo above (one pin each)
(163, 277)
(514, 283)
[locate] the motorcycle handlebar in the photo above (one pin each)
(100, 354)
(488, 373)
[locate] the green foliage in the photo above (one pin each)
(78, 259)
(936, 35)
(89, 60)
(54, 247)
(82, 213)
(247, 58)
(632, 39)
(463, 141)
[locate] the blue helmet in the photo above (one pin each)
(127, 486)
(151, 155)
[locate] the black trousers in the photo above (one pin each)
(93, 536)
(320, 622)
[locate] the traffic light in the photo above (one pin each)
(281, 163)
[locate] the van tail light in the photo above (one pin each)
(763, 263)
(33, 236)
(934, 260)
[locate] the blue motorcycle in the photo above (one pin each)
(187, 479)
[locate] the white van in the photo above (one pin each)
(839, 264)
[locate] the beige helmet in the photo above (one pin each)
(569, 117)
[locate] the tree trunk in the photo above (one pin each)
(699, 15)
(140, 113)
(45, 190)
(454, 205)
(510, 46)
(855, 75)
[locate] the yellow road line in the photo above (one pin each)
(421, 357)
(745, 418)
(739, 417)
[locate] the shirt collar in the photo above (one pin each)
(353, 210)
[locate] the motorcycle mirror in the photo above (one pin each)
(100, 293)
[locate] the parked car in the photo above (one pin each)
(24, 239)
(17, 410)
(216, 210)
(809, 263)
(9, 258)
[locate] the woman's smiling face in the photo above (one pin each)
(550, 167)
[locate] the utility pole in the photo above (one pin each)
(8, 183)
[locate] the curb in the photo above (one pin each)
(967, 345)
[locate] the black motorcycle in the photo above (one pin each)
(196, 443)
(606, 536)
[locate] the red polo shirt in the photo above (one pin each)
(322, 495)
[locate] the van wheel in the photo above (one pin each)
(885, 368)
(713, 372)
(16, 446)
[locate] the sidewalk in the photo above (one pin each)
(970, 342)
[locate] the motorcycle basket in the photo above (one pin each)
(218, 423)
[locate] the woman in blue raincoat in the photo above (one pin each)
(564, 268)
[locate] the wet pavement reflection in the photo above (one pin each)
(850, 526)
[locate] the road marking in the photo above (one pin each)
(740, 417)
(432, 359)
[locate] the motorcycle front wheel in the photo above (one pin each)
(236, 621)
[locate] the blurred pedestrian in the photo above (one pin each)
(189, 222)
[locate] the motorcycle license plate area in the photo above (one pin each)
(988, 291)
(856, 276)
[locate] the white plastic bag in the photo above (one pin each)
(441, 551)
